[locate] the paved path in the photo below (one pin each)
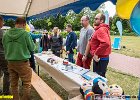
(125, 64)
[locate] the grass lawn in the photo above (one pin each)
(132, 44)
(130, 84)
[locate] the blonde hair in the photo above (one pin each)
(57, 30)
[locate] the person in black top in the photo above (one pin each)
(3, 64)
(56, 42)
(44, 41)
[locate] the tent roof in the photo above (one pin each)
(13, 7)
(39, 8)
(30, 7)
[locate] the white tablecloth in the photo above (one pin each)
(71, 79)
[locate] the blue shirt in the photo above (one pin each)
(35, 36)
(71, 42)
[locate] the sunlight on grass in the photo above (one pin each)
(130, 84)
(132, 44)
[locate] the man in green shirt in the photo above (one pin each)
(17, 45)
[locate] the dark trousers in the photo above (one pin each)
(100, 67)
(70, 58)
(4, 70)
(57, 53)
(32, 61)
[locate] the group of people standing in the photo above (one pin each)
(94, 43)
(17, 51)
(56, 44)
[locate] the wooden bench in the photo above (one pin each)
(45, 92)
(79, 97)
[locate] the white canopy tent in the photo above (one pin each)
(33, 9)
(30, 7)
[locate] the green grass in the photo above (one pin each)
(54, 85)
(132, 44)
(129, 84)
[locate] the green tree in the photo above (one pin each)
(125, 24)
(74, 18)
(10, 22)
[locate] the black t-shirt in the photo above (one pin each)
(56, 42)
(1, 46)
(44, 42)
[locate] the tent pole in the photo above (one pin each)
(28, 6)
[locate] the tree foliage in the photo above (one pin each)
(71, 17)
(9, 22)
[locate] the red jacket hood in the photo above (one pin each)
(102, 25)
(100, 43)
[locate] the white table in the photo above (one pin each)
(70, 80)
